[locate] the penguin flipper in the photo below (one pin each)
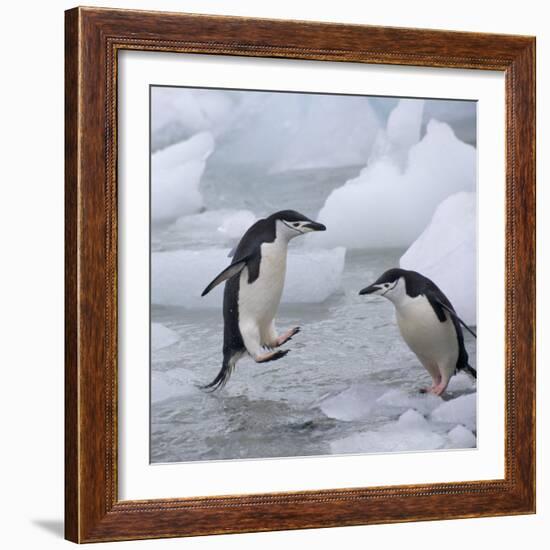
(227, 273)
(453, 314)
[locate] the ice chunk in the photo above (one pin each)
(387, 207)
(162, 337)
(402, 401)
(394, 439)
(412, 419)
(461, 382)
(179, 277)
(236, 224)
(355, 403)
(461, 410)
(461, 437)
(172, 383)
(175, 176)
(446, 253)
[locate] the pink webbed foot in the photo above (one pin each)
(439, 389)
(283, 339)
(270, 356)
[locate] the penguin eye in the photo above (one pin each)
(296, 224)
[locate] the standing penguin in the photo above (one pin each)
(253, 289)
(428, 323)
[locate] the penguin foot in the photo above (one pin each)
(438, 390)
(287, 336)
(271, 356)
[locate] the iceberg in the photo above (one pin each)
(446, 253)
(334, 131)
(175, 177)
(213, 227)
(179, 276)
(388, 205)
(179, 113)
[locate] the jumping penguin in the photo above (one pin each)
(253, 289)
(428, 323)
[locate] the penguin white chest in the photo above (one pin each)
(425, 334)
(260, 299)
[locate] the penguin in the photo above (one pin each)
(253, 287)
(428, 323)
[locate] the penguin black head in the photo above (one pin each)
(292, 223)
(392, 284)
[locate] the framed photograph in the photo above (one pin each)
(300, 275)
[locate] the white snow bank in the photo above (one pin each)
(172, 383)
(175, 176)
(446, 253)
(387, 206)
(162, 337)
(214, 226)
(461, 410)
(461, 437)
(179, 277)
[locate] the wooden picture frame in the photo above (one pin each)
(93, 511)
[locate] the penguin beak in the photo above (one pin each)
(314, 226)
(372, 289)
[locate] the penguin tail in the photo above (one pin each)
(228, 366)
(470, 371)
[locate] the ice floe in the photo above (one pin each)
(178, 277)
(162, 337)
(176, 382)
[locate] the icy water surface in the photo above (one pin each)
(349, 384)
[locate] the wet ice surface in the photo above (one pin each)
(349, 384)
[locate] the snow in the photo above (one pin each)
(162, 337)
(389, 205)
(461, 410)
(446, 253)
(179, 277)
(175, 177)
(461, 437)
